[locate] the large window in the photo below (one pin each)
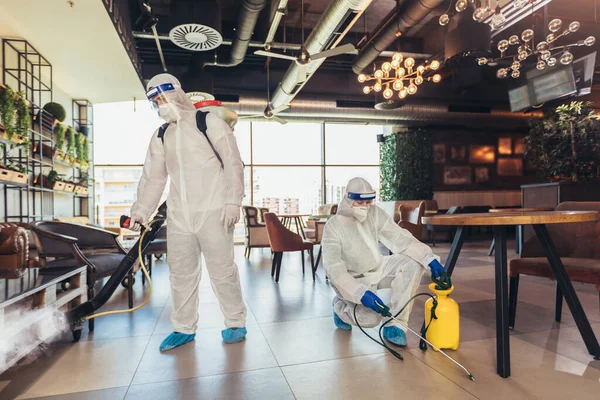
(290, 144)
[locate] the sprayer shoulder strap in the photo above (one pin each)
(202, 127)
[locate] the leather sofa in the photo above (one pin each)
(17, 250)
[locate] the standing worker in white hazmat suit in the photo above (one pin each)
(356, 267)
(205, 195)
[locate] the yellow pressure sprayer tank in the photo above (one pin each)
(443, 332)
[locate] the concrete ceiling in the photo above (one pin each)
(86, 53)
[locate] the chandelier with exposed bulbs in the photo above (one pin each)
(402, 77)
(483, 11)
(546, 52)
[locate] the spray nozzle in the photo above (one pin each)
(384, 310)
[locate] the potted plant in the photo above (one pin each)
(69, 186)
(79, 149)
(56, 110)
(23, 122)
(70, 146)
(7, 112)
(54, 181)
(20, 173)
(59, 141)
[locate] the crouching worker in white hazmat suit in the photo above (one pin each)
(205, 195)
(357, 269)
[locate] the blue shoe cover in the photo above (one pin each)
(395, 335)
(341, 324)
(233, 335)
(176, 339)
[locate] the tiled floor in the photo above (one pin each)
(294, 351)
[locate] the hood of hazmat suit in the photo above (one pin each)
(351, 252)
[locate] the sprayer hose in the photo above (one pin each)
(144, 271)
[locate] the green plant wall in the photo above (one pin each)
(406, 165)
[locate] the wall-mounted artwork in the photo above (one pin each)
(439, 153)
(520, 146)
(505, 146)
(482, 154)
(482, 174)
(510, 167)
(458, 153)
(457, 175)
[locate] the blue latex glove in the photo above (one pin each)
(370, 299)
(437, 269)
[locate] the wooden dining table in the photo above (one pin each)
(499, 223)
(519, 229)
(287, 219)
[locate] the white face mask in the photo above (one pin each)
(168, 112)
(360, 213)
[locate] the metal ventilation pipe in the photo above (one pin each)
(321, 108)
(245, 28)
(409, 15)
(335, 22)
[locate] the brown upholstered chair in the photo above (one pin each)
(17, 249)
(311, 225)
(283, 240)
(578, 246)
(256, 232)
(261, 215)
(410, 218)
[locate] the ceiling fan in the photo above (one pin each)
(270, 113)
(304, 57)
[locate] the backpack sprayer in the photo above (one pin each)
(440, 325)
(75, 317)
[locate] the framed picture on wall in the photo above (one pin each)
(457, 175)
(510, 167)
(482, 154)
(505, 146)
(439, 153)
(520, 146)
(482, 174)
(458, 153)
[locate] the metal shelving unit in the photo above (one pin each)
(83, 121)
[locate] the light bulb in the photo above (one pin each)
(386, 67)
(502, 73)
(566, 58)
(503, 45)
(513, 40)
(398, 84)
(554, 25)
(461, 5)
(403, 93)
(395, 64)
(482, 61)
(366, 90)
(444, 19)
(400, 72)
(541, 65)
(435, 64)
(541, 46)
(388, 93)
(379, 74)
(419, 80)
(522, 56)
(589, 41)
(546, 55)
(551, 62)
(527, 35)
(437, 78)
(479, 14)
(362, 78)
(498, 19)
(574, 26)
(409, 62)
(550, 38)
(523, 49)
(515, 65)
(515, 73)
(520, 3)
(377, 87)
(421, 69)
(412, 88)
(397, 56)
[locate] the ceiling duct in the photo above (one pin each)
(410, 14)
(335, 22)
(191, 12)
(324, 108)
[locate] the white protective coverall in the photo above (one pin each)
(354, 263)
(200, 190)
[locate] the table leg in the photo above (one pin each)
(519, 239)
(502, 337)
(491, 250)
(564, 283)
(299, 222)
(457, 243)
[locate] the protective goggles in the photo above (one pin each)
(157, 94)
(361, 196)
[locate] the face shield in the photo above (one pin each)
(359, 197)
(160, 99)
